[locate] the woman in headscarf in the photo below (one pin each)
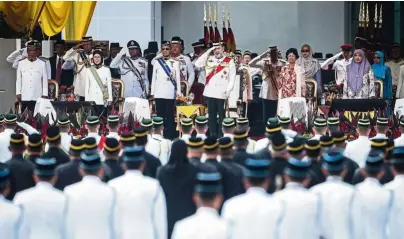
(359, 81)
(177, 179)
(383, 73)
(310, 66)
(291, 81)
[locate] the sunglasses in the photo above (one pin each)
(376, 57)
(305, 50)
(165, 49)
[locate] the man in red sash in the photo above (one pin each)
(220, 78)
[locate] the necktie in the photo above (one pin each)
(59, 70)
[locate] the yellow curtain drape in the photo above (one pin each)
(54, 16)
(21, 16)
(79, 19)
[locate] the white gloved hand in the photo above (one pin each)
(227, 94)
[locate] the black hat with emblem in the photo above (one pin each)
(114, 45)
(378, 144)
(313, 148)
(10, 119)
(278, 142)
(86, 38)
(298, 168)
(326, 141)
(53, 134)
(228, 123)
(333, 121)
(284, 120)
(365, 123)
(247, 53)
(338, 137)
(256, 168)
(133, 154)
(237, 52)
(382, 121)
(333, 161)
(146, 123)
(176, 40)
(157, 122)
(132, 44)
(111, 145)
(320, 123)
(45, 166)
(76, 147)
(240, 135)
(92, 120)
(208, 180)
(242, 121)
(35, 143)
(165, 43)
(127, 139)
(195, 142)
(63, 120)
(17, 140)
(374, 161)
(113, 121)
(90, 143)
(225, 143)
(141, 135)
(211, 143)
(186, 123)
(296, 146)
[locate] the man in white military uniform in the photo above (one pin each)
(397, 186)
(113, 126)
(286, 129)
(11, 216)
(272, 127)
(91, 207)
(206, 222)
(340, 65)
(382, 127)
(201, 127)
(186, 129)
(302, 206)
(228, 127)
(373, 202)
(358, 149)
(400, 140)
(243, 124)
(141, 204)
(64, 126)
(220, 79)
(395, 62)
(166, 87)
(79, 58)
(336, 198)
(254, 214)
(44, 206)
(158, 146)
(187, 72)
(32, 79)
(10, 123)
(17, 55)
(93, 125)
(133, 70)
(320, 128)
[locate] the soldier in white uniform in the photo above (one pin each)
(133, 70)
(220, 79)
(302, 206)
(201, 127)
(64, 126)
(359, 148)
(286, 130)
(395, 62)
(340, 65)
(166, 87)
(382, 127)
(335, 194)
(228, 127)
(397, 186)
(272, 127)
(91, 206)
(320, 128)
(206, 222)
(98, 86)
(113, 126)
(187, 72)
(10, 123)
(44, 206)
(93, 125)
(373, 202)
(333, 125)
(148, 219)
(255, 214)
(243, 124)
(32, 79)
(186, 129)
(159, 146)
(400, 140)
(38, 47)
(79, 58)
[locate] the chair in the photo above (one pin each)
(53, 90)
(118, 89)
(379, 89)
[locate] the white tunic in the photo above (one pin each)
(251, 147)
(96, 136)
(140, 207)
(45, 211)
(396, 220)
(11, 220)
(358, 150)
(400, 87)
(262, 143)
(114, 135)
(131, 80)
(159, 147)
(91, 209)
(32, 80)
(372, 210)
(73, 61)
(399, 142)
(336, 194)
(254, 214)
(5, 153)
(66, 139)
(204, 224)
(221, 83)
(185, 137)
(395, 70)
(93, 91)
(162, 87)
(187, 72)
(301, 217)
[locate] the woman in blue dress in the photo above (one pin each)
(383, 73)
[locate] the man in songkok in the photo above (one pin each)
(113, 126)
(195, 150)
(228, 127)
(320, 128)
(111, 154)
(382, 126)
(186, 128)
(333, 124)
(326, 143)
(93, 125)
(362, 143)
(35, 147)
(240, 145)
(10, 123)
(271, 128)
(201, 127)
(152, 163)
(289, 133)
(244, 124)
(340, 144)
(54, 139)
(159, 146)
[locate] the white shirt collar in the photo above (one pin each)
(334, 178)
(158, 136)
(257, 190)
(9, 131)
(91, 134)
(113, 134)
(133, 172)
(294, 185)
(91, 178)
(372, 181)
(228, 135)
(207, 210)
(363, 137)
(399, 177)
(43, 184)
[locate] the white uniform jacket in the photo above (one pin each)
(222, 82)
(32, 80)
(45, 211)
(140, 207)
(399, 142)
(187, 72)
(372, 206)
(11, 220)
(262, 143)
(254, 214)
(96, 136)
(93, 90)
(90, 212)
(204, 224)
(251, 147)
(162, 87)
(185, 137)
(66, 139)
(73, 61)
(159, 147)
(358, 150)
(396, 219)
(131, 70)
(337, 199)
(5, 153)
(302, 211)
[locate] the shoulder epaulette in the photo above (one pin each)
(43, 58)
(22, 58)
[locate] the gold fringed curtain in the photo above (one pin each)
(54, 17)
(79, 19)
(21, 16)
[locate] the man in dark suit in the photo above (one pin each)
(68, 173)
(21, 170)
(63, 77)
(114, 49)
(53, 138)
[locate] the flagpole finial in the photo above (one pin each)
(375, 19)
(215, 13)
(223, 15)
(367, 15)
(204, 12)
(360, 14)
(381, 16)
(228, 14)
(210, 13)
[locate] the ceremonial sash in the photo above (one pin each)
(168, 72)
(99, 82)
(137, 74)
(217, 69)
